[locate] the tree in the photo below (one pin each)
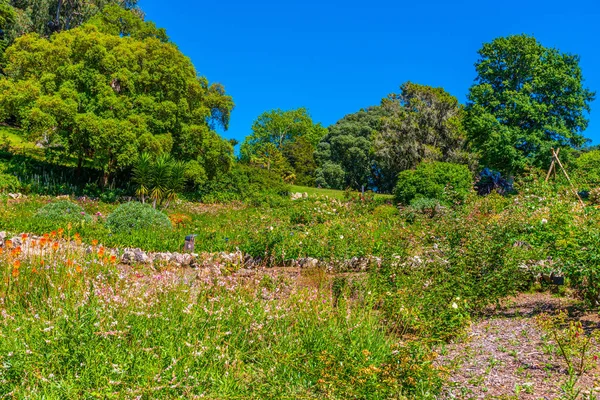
(103, 96)
(526, 99)
(345, 155)
(160, 178)
(45, 17)
(279, 135)
(421, 123)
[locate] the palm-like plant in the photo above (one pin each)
(161, 177)
(142, 176)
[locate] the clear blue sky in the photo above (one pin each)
(335, 57)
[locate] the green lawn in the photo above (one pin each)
(15, 137)
(336, 194)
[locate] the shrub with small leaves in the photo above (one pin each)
(134, 216)
(61, 213)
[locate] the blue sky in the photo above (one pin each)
(335, 57)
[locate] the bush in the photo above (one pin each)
(135, 216)
(587, 168)
(63, 212)
(435, 180)
(9, 183)
(244, 183)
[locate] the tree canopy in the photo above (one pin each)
(526, 99)
(284, 141)
(112, 88)
(372, 146)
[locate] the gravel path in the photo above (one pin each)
(506, 356)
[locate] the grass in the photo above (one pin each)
(75, 325)
(15, 137)
(333, 193)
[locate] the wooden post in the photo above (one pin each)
(552, 166)
(555, 156)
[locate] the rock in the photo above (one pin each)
(15, 195)
(184, 260)
(16, 241)
(296, 196)
(162, 257)
(141, 257)
(128, 257)
(305, 195)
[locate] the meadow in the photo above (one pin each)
(78, 323)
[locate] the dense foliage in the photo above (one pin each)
(435, 180)
(527, 99)
(97, 94)
(135, 216)
(284, 142)
(63, 212)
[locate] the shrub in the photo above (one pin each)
(63, 212)
(587, 167)
(9, 183)
(436, 180)
(245, 183)
(134, 216)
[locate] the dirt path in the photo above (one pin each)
(505, 354)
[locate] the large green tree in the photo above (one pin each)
(284, 141)
(49, 16)
(345, 156)
(526, 99)
(104, 92)
(421, 123)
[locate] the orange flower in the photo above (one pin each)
(15, 273)
(46, 235)
(1, 250)
(69, 262)
(17, 264)
(33, 270)
(61, 231)
(78, 269)
(23, 236)
(53, 234)
(94, 242)
(55, 246)
(101, 251)
(34, 243)
(113, 258)
(9, 244)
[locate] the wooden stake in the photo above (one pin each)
(552, 166)
(555, 155)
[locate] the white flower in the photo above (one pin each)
(544, 221)
(271, 228)
(341, 236)
(455, 306)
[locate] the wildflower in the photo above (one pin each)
(78, 269)
(544, 221)
(55, 246)
(69, 262)
(53, 234)
(94, 242)
(17, 264)
(455, 306)
(23, 236)
(82, 213)
(0, 250)
(342, 237)
(101, 251)
(9, 244)
(113, 258)
(15, 272)
(61, 231)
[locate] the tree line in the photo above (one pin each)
(94, 81)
